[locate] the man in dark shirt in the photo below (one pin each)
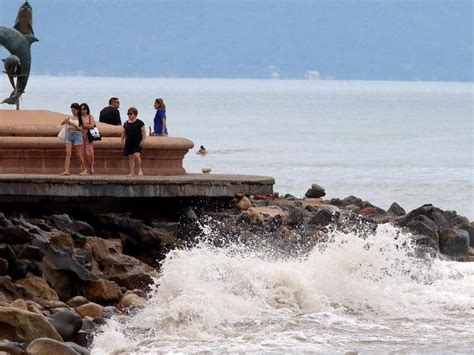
(111, 114)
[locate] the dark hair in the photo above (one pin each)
(112, 100)
(78, 108)
(87, 108)
(133, 110)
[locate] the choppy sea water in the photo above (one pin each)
(367, 295)
(382, 141)
(410, 142)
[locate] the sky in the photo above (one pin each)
(429, 40)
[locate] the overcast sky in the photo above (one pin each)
(339, 39)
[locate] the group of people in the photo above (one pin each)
(132, 138)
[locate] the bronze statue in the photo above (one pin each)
(17, 41)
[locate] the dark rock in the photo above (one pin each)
(77, 301)
(79, 349)
(396, 209)
(4, 221)
(61, 261)
(62, 222)
(315, 191)
(295, 217)
(352, 208)
(454, 242)
(110, 311)
(440, 219)
(425, 231)
(336, 202)
(425, 210)
(32, 252)
(352, 200)
(87, 325)
(18, 269)
(84, 228)
(189, 213)
(15, 235)
(324, 217)
(79, 239)
(470, 230)
(455, 219)
(84, 338)
(3, 266)
(100, 321)
(290, 197)
(7, 252)
(66, 322)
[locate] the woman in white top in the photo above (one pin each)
(74, 138)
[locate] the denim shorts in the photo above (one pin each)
(74, 138)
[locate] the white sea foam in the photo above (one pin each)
(363, 293)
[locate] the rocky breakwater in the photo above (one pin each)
(62, 276)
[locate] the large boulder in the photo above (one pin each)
(454, 242)
(128, 272)
(45, 346)
(24, 326)
(37, 289)
(352, 200)
(396, 209)
(324, 216)
(130, 301)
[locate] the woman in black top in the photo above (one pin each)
(133, 137)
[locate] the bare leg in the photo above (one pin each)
(138, 163)
(80, 155)
(131, 165)
(67, 159)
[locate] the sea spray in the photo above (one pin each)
(212, 298)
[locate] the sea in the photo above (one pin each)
(405, 142)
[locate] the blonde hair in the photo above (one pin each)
(161, 103)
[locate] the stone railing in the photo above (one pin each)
(29, 145)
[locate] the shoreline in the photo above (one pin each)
(69, 273)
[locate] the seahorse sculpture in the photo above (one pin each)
(17, 41)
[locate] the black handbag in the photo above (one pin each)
(93, 134)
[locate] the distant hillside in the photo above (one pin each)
(368, 40)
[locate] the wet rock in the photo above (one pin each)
(77, 301)
(295, 217)
(470, 230)
(24, 326)
(3, 266)
(190, 213)
(90, 309)
(84, 338)
(37, 289)
(396, 209)
(110, 311)
(454, 242)
(66, 322)
(425, 230)
(440, 220)
(79, 349)
(44, 346)
(130, 301)
(87, 324)
(290, 197)
(102, 291)
(12, 348)
(323, 217)
(315, 191)
(455, 219)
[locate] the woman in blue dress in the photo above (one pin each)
(159, 122)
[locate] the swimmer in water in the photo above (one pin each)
(202, 150)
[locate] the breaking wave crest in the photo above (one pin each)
(208, 296)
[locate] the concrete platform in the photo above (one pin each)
(14, 186)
